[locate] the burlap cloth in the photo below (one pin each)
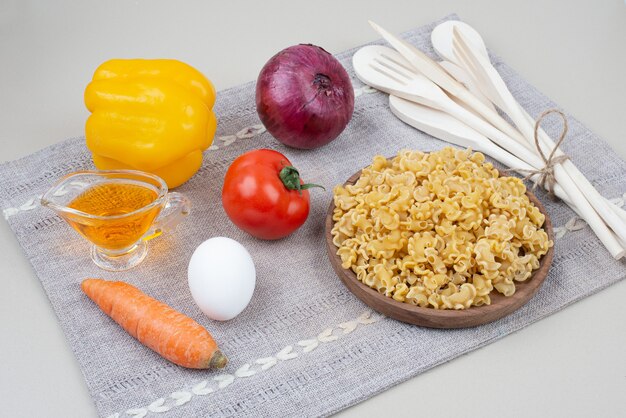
(304, 346)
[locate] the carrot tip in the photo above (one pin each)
(218, 360)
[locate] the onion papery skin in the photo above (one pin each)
(304, 97)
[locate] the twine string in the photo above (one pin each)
(546, 174)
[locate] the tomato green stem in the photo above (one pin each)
(290, 177)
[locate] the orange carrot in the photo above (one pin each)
(171, 334)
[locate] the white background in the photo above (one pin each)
(571, 364)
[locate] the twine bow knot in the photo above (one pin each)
(546, 174)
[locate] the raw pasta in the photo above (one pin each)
(439, 230)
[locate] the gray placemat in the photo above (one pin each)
(304, 346)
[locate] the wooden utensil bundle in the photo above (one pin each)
(453, 101)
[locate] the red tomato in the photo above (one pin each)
(264, 195)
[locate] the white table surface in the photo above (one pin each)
(570, 364)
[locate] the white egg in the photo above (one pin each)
(221, 277)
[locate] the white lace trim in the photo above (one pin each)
(245, 133)
(34, 202)
(205, 387)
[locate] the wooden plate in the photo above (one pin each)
(436, 318)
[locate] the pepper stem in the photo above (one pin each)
(290, 177)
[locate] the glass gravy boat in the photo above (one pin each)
(118, 211)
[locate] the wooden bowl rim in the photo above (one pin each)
(424, 315)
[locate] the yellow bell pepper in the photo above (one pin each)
(150, 115)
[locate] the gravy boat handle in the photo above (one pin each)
(173, 212)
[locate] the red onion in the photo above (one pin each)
(304, 96)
